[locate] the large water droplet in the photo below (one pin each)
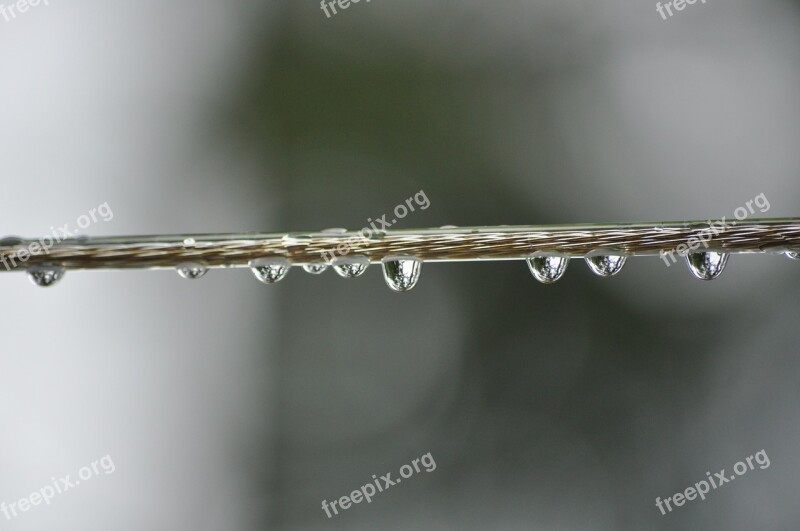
(547, 268)
(606, 265)
(315, 269)
(706, 265)
(401, 272)
(45, 275)
(270, 270)
(794, 255)
(350, 266)
(191, 270)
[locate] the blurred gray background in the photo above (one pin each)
(227, 404)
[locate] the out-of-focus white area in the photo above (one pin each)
(106, 102)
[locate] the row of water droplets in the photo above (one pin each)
(402, 272)
(549, 267)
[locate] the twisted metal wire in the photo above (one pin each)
(444, 244)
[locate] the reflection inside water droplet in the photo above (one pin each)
(706, 265)
(315, 269)
(401, 272)
(45, 275)
(350, 266)
(547, 268)
(270, 270)
(605, 265)
(191, 270)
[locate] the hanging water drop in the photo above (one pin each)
(191, 270)
(547, 268)
(605, 265)
(401, 272)
(794, 255)
(315, 268)
(351, 266)
(706, 265)
(270, 270)
(45, 275)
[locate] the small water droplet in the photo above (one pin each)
(191, 270)
(189, 242)
(707, 265)
(45, 275)
(351, 266)
(401, 272)
(270, 270)
(605, 265)
(547, 268)
(794, 255)
(315, 269)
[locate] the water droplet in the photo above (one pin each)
(351, 266)
(401, 272)
(191, 270)
(448, 227)
(605, 265)
(270, 270)
(45, 275)
(315, 269)
(547, 268)
(794, 255)
(707, 265)
(189, 242)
